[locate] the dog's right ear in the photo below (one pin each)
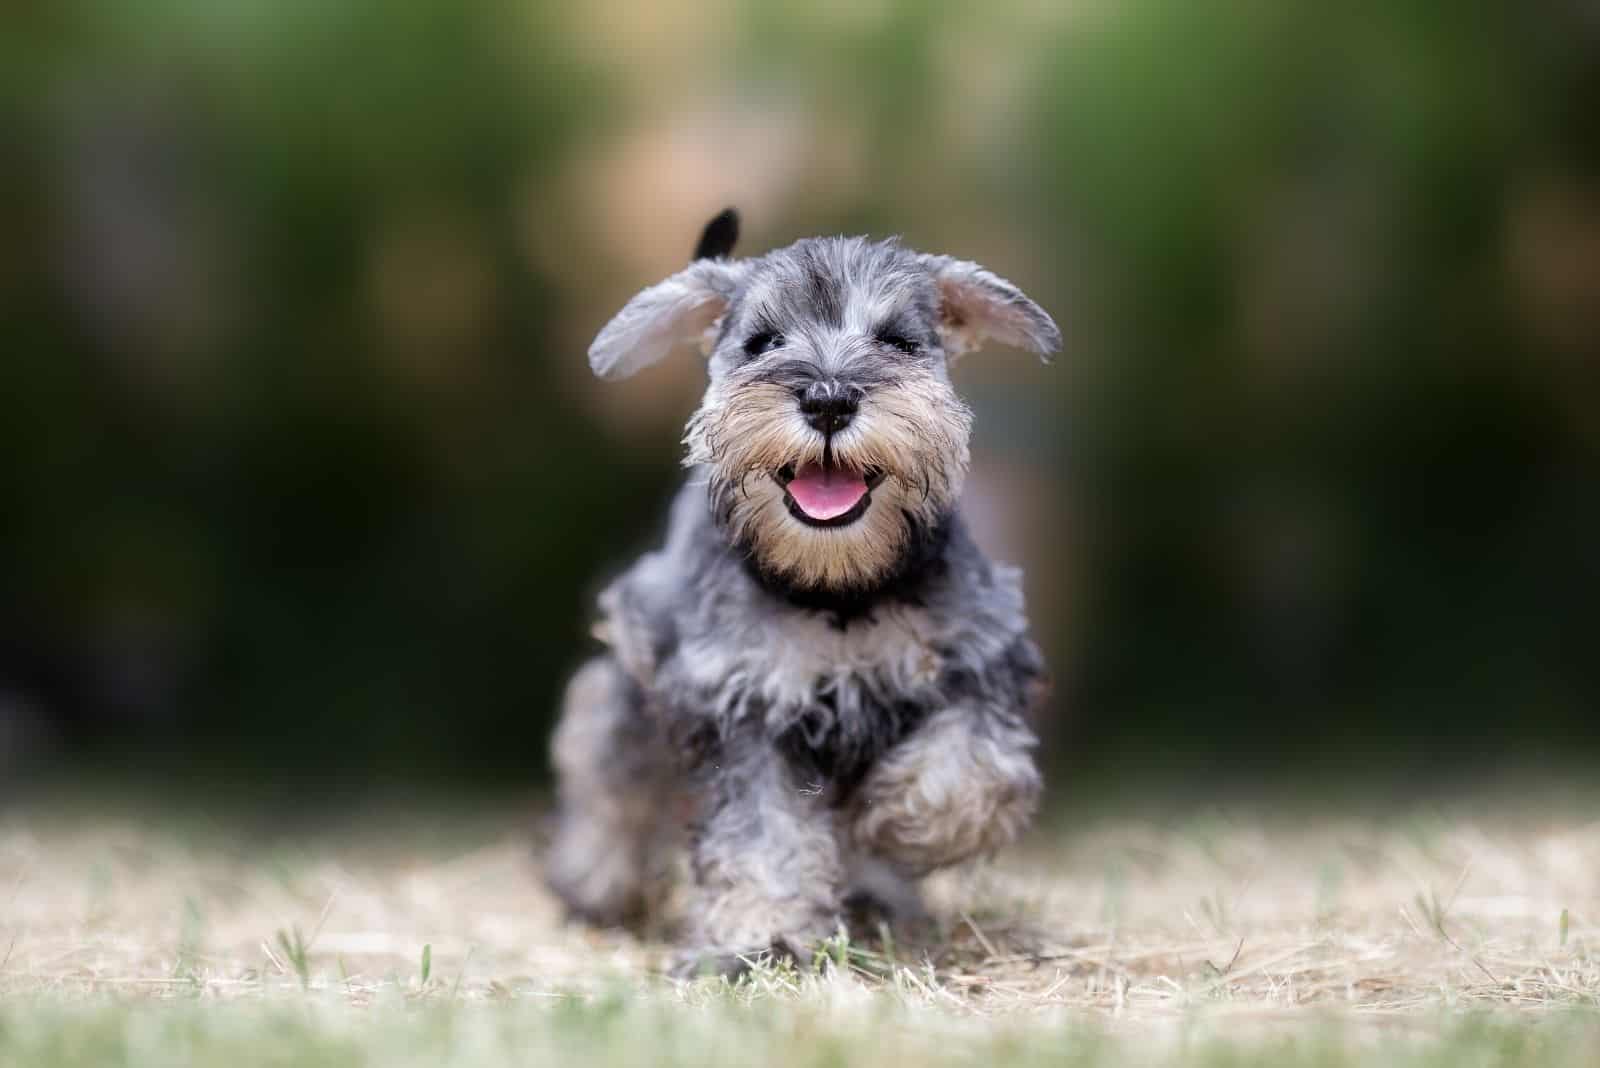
(680, 309)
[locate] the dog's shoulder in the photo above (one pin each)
(643, 610)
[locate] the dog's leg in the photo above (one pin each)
(767, 864)
(615, 797)
(962, 784)
(880, 892)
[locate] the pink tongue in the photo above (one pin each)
(826, 494)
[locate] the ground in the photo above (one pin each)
(1405, 933)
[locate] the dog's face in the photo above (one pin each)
(831, 434)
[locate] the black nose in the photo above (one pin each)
(828, 406)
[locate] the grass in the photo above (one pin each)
(827, 1024)
(1239, 935)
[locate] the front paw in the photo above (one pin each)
(711, 963)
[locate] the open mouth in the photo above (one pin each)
(827, 494)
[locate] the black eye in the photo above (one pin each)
(765, 341)
(899, 341)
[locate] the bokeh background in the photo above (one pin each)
(303, 477)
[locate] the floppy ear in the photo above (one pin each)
(976, 305)
(680, 309)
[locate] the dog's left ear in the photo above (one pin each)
(976, 305)
(680, 309)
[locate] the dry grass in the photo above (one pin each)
(1129, 926)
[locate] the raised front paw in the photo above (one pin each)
(956, 788)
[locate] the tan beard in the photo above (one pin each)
(914, 432)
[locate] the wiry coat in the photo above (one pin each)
(823, 706)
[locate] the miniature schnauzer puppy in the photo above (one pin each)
(819, 676)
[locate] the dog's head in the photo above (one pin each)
(833, 439)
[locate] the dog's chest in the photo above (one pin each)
(804, 666)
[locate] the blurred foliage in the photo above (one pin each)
(1334, 467)
(300, 468)
(231, 497)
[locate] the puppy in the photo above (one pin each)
(818, 682)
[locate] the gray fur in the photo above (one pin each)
(838, 708)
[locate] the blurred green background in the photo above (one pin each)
(302, 472)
